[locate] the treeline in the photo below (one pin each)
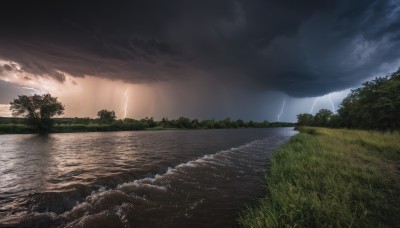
(181, 123)
(17, 125)
(375, 105)
(37, 112)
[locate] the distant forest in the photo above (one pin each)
(109, 123)
(375, 105)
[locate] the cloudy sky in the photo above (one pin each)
(244, 59)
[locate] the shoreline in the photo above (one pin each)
(8, 129)
(331, 177)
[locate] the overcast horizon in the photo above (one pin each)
(251, 60)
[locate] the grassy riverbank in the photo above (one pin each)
(330, 177)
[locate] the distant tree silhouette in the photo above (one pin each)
(106, 116)
(305, 119)
(195, 123)
(239, 123)
(38, 109)
(322, 118)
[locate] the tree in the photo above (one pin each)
(208, 124)
(305, 119)
(375, 105)
(322, 118)
(240, 123)
(149, 122)
(38, 109)
(227, 122)
(106, 116)
(250, 124)
(183, 122)
(195, 123)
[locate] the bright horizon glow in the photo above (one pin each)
(84, 96)
(5, 110)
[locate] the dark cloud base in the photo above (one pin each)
(303, 48)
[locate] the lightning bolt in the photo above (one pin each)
(126, 103)
(313, 105)
(283, 105)
(333, 105)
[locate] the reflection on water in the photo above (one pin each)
(149, 179)
(22, 167)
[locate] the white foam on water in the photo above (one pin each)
(121, 214)
(208, 158)
(141, 183)
(81, 212)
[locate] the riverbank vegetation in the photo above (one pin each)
(332, 177)
(375, 105)
(64, 125)
(37, 112)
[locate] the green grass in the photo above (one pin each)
(15, 129)
(331, 178)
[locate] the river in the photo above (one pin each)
(171, 178)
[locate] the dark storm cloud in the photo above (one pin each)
(303, 48)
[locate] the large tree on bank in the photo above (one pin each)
(38, 109)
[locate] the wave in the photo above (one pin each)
(208, 158)
(153, 193)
